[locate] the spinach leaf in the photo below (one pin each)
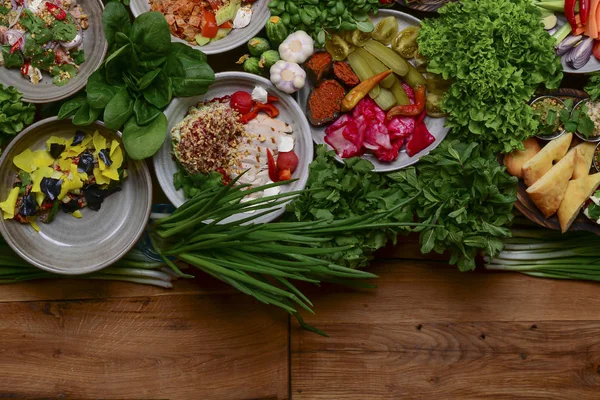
(86, 115)
(14, 60)
(143, 141)
(159, 93)
(151, 35)
(70, 107)
(152, 64)
(189, 72)
(144, 111)
(64, 31)
(115, 18)
(99, 92)
(116, 63)
(147, 79)
(118, 110)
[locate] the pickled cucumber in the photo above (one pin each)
(377, 67)
(399, 93)
(363, 71)
(388, 57)
(414, 78)
(338, 47)
(386, 30)
(386, 99)
(405, 43)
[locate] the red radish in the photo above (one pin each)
(241, 102)
(287, 160)
(596, 49)
(285, 175)
(273, 173)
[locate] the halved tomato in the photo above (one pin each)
(209, 26)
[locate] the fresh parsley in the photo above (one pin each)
(578, 120)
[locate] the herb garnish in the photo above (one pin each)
(577, 121)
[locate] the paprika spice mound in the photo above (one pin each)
(318, 67)
(325, 102)
(343, 72)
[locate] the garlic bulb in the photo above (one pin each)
(288, 77)
(297, 47)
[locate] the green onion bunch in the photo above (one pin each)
(260, 260)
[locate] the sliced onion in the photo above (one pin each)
(14, 4)
(78, 39)
(11, 37)
(580, 54)
(14, 21)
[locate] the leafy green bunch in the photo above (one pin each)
(143, 72)
(316, 17)
(467, 195)
(339, 191)
(14, 113)
(497, 53)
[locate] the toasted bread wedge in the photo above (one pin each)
(583, 160)
(548, 192)
(541, 163)
(514, 161)
(577, 193)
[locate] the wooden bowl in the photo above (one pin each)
(529, 209)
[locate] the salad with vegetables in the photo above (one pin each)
(69, 174)
(202, 22)
(39, 35)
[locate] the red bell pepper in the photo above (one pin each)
(412, 109)
(269, 109)
(570, 13)
(420, 140)
(208, 26)
(272, 99)
(249, 116)
(584, 11)
(55, 10)
(16, 46)
(273, 173)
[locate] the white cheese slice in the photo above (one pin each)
(242, 18)
(260, 95)
(285, 144)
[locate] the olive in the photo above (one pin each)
(433, 105)
(386, 30)
(338, 47)
(405, 43)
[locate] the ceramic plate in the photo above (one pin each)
(225, 84)
(435, 125)
(94, 46)
(69, 245)
(237, 37)
(592, 66)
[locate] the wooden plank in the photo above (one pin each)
(429, 330)
(175, 347)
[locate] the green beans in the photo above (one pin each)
(317, 17)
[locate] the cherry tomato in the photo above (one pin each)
(241, 102)
(596, 49)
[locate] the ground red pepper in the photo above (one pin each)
(343, 72)
(325, 102)
(318, 66)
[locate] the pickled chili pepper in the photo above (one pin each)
(570, 13)
(362, 89)
(56, 11)
(25, 68)
(269, 109)
(584, 11)
(273, 173)
(412, 109)
(16, 46)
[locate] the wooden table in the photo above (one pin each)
(428, 331)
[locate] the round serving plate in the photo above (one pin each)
(592, 65)
(94, 47)
(424, 5)
(529, 209)
(69, 245)
(236, 38)
(226, 83)
(435, 125)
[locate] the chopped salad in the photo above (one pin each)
(204, 21)
(69, 174)
(38, 35)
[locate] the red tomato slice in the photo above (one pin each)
(209, 26)
(215, 4)
(226, 25)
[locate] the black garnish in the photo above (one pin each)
(78, 139)
(104, 155)
(86, 163)
(56, 149)
(28, 205)
(51, 187)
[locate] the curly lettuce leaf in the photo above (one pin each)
(15, 115)
(497, 53)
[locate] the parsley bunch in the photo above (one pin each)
(467, 195)
(497, 53)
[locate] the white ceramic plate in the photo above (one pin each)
(236, 38)
(592, 66)
(94, 47)
(226, 83)
(69, 245)
(435, 125)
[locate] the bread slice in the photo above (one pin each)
(583, 160)
(541, 163)
(514, 161)
(548, 192)
(577, 193)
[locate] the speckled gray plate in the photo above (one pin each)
(69, 245)
(227, 83)
(237, 37)
(435, 125)
(592, 65)
(94, 46)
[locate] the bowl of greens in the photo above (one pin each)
(49, 50)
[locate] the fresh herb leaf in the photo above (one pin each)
(143, 141)
(14, 113)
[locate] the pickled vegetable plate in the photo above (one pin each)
(434, 125)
